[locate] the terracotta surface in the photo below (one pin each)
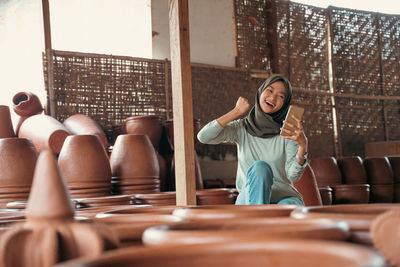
(232, 230)
(85, 125)
(215, 196)
(27, 104)
(385, 235)
(395, 164)
(84, 159)
(326, 171)
(326, 193)
(358, 216)
(352, 170)
(381, 193)
(45, 132)
(378, 170)
(149, 125)
(308, 188)
(157, 199)
(105, 201)
(396, 195)
(242, 253)
(6, 127)
(351, 193)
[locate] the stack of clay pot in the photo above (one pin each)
(51, 234)
(17, 163)
(380, 178)
(6, 127)
(85, 165)
(328, 173)
(156, 199)
(395, 164)
(134, 165)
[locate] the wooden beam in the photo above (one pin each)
(46, 24)
(182, 103)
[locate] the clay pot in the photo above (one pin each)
(6, 127)
(326, 193)
(396, 195)
(149, 125)
(27, 104)
(84, 159)
(308, 188)
(274, 252)
(352, 170)
(45, 132)
(326, 171)
(228, 231)
(381, 193)
(104, 201)
(118, 130)
(215, 196)
(17, 163)
(163, 170)
(84, 125)
(213, 212)
(158, 199)
(395, 164)
(351, 193)
(133, 156)
(378, 170)
(169, 126)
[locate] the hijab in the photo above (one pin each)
(260, 124)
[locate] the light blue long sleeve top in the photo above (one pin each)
(278, 152)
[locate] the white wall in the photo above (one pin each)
(211, 26)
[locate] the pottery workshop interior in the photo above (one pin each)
(199, 133)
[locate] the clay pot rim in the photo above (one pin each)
(140, 209)
(350, 187)
(144, 117)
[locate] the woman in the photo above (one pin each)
(268, 163)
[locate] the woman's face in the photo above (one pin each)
(273, 97)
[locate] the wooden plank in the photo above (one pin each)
(46, 24)
(182, 103)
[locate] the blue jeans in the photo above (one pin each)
(257, 191)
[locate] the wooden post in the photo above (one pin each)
(182, 103)
(46, 24)
(272, 35)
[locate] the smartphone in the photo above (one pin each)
(297, 112)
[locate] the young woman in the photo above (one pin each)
(268, 162)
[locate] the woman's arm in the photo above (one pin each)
(241, 108)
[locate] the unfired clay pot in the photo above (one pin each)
(84, 159)
(27, 104)
(84, 125)
(352, 169)
(45, 132)
(275, 252)
(308, 188)
(149, 125)
(6, 127)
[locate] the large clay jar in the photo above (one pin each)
(149, 125)
(352, 169)
(308, 188)
(82, 124)
(134, 156)
(27, 104)
(326, 171)
(84, 159)
(378, 170)
(45, 132)
(6, 127)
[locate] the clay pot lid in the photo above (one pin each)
(276, 252)
(385, 233)
(49, 197)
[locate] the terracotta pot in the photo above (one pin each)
(118, 130)
(233, 211)
(326, 193)
(134, 156)
(231, 231)
(83, 159)
(45, 132)
(275, 252)
(84, 125)
(378, 170)
(149, 125)
(138, 209)
(358, 216)
(27, 104)
(215, 196)
(395, 164)
(352, 169)
(381, 193)
(6, 127)
(169, 126)
(17, 162)
(326, 171)
(135, 181)
(351, 193)
(163, 170)
(158, 199)
(105, 201)
(308, 188)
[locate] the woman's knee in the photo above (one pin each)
(260, 170)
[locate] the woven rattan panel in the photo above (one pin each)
(393, 119)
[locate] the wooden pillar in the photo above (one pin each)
(182, 103)
(46, 24)
(272, 35)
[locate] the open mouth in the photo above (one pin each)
(269, 104)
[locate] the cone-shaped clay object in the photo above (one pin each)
(385, 232)
(49, 197)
